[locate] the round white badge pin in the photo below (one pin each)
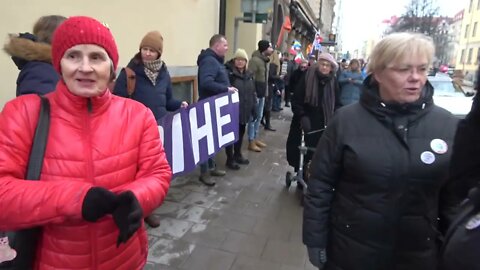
(439, 146)
(427, 157)
(473, 222)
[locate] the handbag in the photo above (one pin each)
(24, 242)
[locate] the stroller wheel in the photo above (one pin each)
(288, 179)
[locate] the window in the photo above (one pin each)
(185, 88)
(478, 4)
(470, 8)
(466, 30)
(462, 57)
(469, 58)
(478, 55)
(474, 32)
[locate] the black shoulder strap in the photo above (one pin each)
(35, 162)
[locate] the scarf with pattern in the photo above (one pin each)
(152, 68)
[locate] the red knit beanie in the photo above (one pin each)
(82, 30)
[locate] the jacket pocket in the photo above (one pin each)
(361, 225)
(416, 233)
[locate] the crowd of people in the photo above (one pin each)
(392, 181)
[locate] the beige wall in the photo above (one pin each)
(248, 33)
(470, 41)
(186, 25)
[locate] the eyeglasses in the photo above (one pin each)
(410, 70)
(325, 64)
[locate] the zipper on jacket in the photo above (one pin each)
(90, 178)
(89, 105)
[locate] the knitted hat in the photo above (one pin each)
(82, 30)
(241, 53)
(328, 57)
(263, 45)
(153, 40)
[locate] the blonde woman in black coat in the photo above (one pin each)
(379, 183)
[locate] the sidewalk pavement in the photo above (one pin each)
(249, 220)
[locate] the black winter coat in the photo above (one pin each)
(295, 79)
(461, 244)
(465, 162)
(291, 67)
(274, 81)
(246, 91)
(158, 98)
(375, 185)
(212, 75)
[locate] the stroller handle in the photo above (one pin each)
(313, 131)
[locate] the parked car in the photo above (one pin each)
(450, 95)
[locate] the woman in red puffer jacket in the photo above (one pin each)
(104, 167)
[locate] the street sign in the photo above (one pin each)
(259, 17)
(263, 6)
(328, 43)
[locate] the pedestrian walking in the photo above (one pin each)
(374, 197)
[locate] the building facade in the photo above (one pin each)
(469, 44)
(186, 27)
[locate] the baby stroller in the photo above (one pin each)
(301, 176)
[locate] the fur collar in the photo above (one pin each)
(28, 50)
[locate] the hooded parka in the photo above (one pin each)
(377, 177)
(105, 141)
(33, 59)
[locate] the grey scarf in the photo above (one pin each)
(313, 80)
(152, 68)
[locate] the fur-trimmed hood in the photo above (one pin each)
(24, 49)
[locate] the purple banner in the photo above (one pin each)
(190, 136)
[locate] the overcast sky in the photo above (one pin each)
(362, 19)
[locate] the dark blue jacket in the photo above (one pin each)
(37, 78)
(157, 98)
(212, 75)
(33, 59)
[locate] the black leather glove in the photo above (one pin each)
(97, 203)
(305, 123)
(128, 216)
(317, 256)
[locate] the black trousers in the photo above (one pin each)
(235, 150)
(287, 94)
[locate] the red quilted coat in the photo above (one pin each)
(105, 141)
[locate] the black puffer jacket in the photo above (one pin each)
(375, 184)
(462, 243)
(246, 91)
